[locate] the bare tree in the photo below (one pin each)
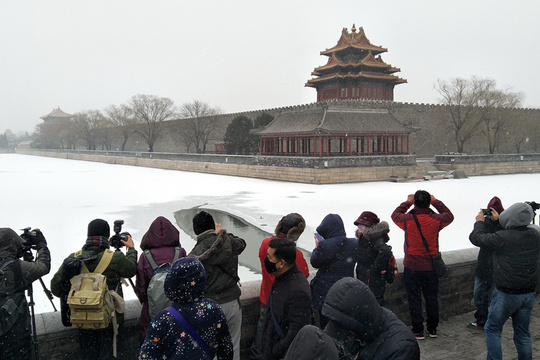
(199, 125)
(122, 118)
(493, 115)
(88, 125)
(149, 113)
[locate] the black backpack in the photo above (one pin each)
(8, 307)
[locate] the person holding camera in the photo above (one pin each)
(98, 344)
(483, 279)
(17, 276)
(515, 252)
(418, 275)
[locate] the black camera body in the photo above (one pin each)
(486, 212)
(535, 206)
(115, 240)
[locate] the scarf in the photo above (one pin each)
(101, 241)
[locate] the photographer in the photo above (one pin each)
(15, 330)
(98, 344)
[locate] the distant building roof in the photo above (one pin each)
(56, 114)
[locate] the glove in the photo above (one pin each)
(37, 239)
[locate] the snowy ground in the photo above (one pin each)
(61, 196)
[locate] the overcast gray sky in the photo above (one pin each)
(245, 55)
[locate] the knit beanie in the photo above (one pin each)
(185, 281)
(496, 203)
(291, 226)
(203, 221)
(368, 219)
(99, 227)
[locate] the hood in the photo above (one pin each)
(351, 305)
(10, 243)
(161, 233)
(291, 226)
(186, 280)
(519, 214)
(377, 231)
(331, 226)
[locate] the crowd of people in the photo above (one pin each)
(191, 301)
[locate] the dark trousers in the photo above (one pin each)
(16, 343)
(426, 283)
(98, 344)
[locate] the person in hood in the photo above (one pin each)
(162, 241)
(218, 251)
(483, 279)
(290, 226)
(373, 252)
(334, 256)
(15, 330)
(418, 275)
(207, 336)
(358, 328)
(515, 273)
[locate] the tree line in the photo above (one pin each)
(144, 116)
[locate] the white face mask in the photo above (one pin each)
(361, 228)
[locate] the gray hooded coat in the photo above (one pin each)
(515, 249)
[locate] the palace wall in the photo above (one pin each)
(431, 133)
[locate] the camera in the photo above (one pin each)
(535, 206)
(115, 240)
(486, 212)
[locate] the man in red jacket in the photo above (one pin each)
(418, 274)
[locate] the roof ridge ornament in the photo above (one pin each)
(353, 29)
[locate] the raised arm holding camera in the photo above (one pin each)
(16, 276)
(98, 343)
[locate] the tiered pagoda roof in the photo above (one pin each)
(354, 62)
(56, 114)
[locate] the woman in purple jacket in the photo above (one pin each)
(161, 239)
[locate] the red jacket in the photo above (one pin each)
(416, 255)
(267, 279)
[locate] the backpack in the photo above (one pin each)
(90, 302)
(392, 270)
(157, 300)
(8, 308)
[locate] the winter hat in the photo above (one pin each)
(99, 227)
(367, 218)
(350, 304)
(203, 221)
(185, 281)
(161, 233)
(291, 226)
(496, 203)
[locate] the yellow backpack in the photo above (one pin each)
(90, 302)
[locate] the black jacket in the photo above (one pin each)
(290, 302)
(484, 264)
(515, 249)
(373, 256)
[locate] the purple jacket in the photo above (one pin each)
(161, 239)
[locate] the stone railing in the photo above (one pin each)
(455, 294)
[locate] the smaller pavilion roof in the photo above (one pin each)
(353, 40)
(56, 114)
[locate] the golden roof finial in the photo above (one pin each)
(353, 29)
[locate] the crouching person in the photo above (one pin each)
(358, 328)
(15, 277)
(193, 327)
